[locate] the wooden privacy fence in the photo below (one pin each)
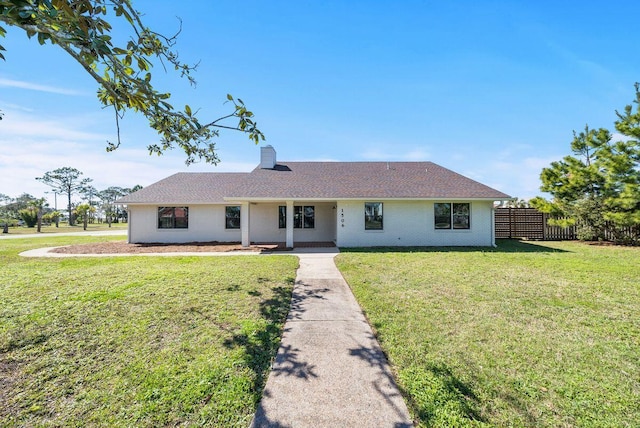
(529, 223)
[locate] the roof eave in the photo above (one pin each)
(172, 203)
(367, 198)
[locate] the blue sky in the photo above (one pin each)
(490, 89)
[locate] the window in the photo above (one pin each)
(282, 217)
(297, 217)
(309, 217)
(373, 216)
(461, 216)
(442, 214)
(232, 217)
(452, 216)
(304, 217)
(173, 217)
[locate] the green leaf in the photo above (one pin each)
(187, 110)
(229, 97)
(142, 64)
(128, 17)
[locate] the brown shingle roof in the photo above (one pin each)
(187, 188)
(318, 180)
(344, 180)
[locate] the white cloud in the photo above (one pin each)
(30, 146)
(517, 176)
(12, 106)
(513, 168)
(22, 163)
(10, 83)
(616, 136)
(17, 125)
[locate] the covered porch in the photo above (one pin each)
(289, 223)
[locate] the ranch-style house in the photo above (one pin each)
(350, 204)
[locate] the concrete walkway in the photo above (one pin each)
(329, 370)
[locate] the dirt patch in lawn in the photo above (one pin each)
(192, 247)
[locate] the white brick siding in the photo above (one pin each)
(411, 223)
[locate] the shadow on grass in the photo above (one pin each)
(442, 397)
(445, 393)
(503, 246)
(261, 345)
(22, 339)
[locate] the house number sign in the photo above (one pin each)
(342, 216)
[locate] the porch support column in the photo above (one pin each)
(244, 223)
(289, 238)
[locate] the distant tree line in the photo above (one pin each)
(94, 205)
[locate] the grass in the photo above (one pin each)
(544, 334)
(136, 341)
(65, 228)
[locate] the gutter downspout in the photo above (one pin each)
(128, 225)
(493, 226)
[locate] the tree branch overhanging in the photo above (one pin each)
(82, 29)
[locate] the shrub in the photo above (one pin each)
(30, 216)
(11, 222)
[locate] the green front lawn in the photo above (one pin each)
(528, 334)
(137, 341)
